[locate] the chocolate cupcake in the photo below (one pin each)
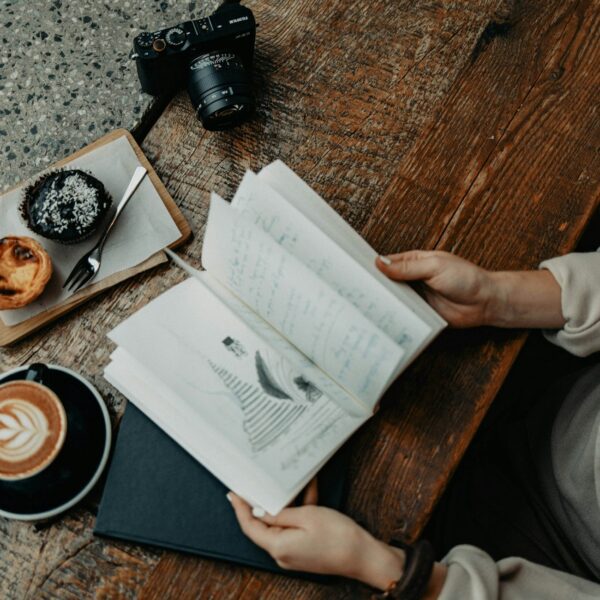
(65, 206)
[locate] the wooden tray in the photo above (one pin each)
(9, 335)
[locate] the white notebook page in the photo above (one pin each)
(301, 306)
(298, 193)
(219, 374)
(292, 230)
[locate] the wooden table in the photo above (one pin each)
(464, 125)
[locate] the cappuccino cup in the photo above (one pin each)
(33, 427)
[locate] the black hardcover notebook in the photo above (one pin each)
(157, 494)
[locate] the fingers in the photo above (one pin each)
(410, 266)
(258, 531)
(311, 492)
(288, 517)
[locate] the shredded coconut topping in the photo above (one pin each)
(70, 203)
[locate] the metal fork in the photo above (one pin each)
(88, 265)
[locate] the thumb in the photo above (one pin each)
(409, 266)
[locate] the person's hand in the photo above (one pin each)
(467, 295)
(458, 290)
(321, 540)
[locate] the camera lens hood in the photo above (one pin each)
(220, 89)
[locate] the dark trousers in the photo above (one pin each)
(494, 500)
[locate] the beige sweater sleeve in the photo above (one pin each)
(473, 575)
(578, 275)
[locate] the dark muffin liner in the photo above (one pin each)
(31, 193)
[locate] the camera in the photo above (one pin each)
(212, 56)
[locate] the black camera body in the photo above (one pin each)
(212, 56)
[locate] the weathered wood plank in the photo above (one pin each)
(327, 84)
(416, 107)
(522, 87)
(461, 187)
(509, 175)
(344, 90)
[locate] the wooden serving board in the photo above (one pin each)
(9, 335)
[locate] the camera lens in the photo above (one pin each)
(220, 89)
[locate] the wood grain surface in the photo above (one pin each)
(468, 126)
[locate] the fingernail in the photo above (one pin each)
(385, 260)
(228, 496)
(258, 512)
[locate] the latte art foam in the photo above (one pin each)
(33, 427)
(23, 430)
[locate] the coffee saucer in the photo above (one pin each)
(80, 462)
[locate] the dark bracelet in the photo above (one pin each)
(417, 572)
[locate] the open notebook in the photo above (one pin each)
(262, 365)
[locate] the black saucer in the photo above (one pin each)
(81, 460)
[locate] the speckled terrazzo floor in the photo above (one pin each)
(65, 75)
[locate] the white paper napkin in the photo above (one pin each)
(144, 228)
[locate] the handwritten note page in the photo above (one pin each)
(282, 346)
(304, 240)
(224, 379)
(304, 199)
(352, 405)
(298, 303)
